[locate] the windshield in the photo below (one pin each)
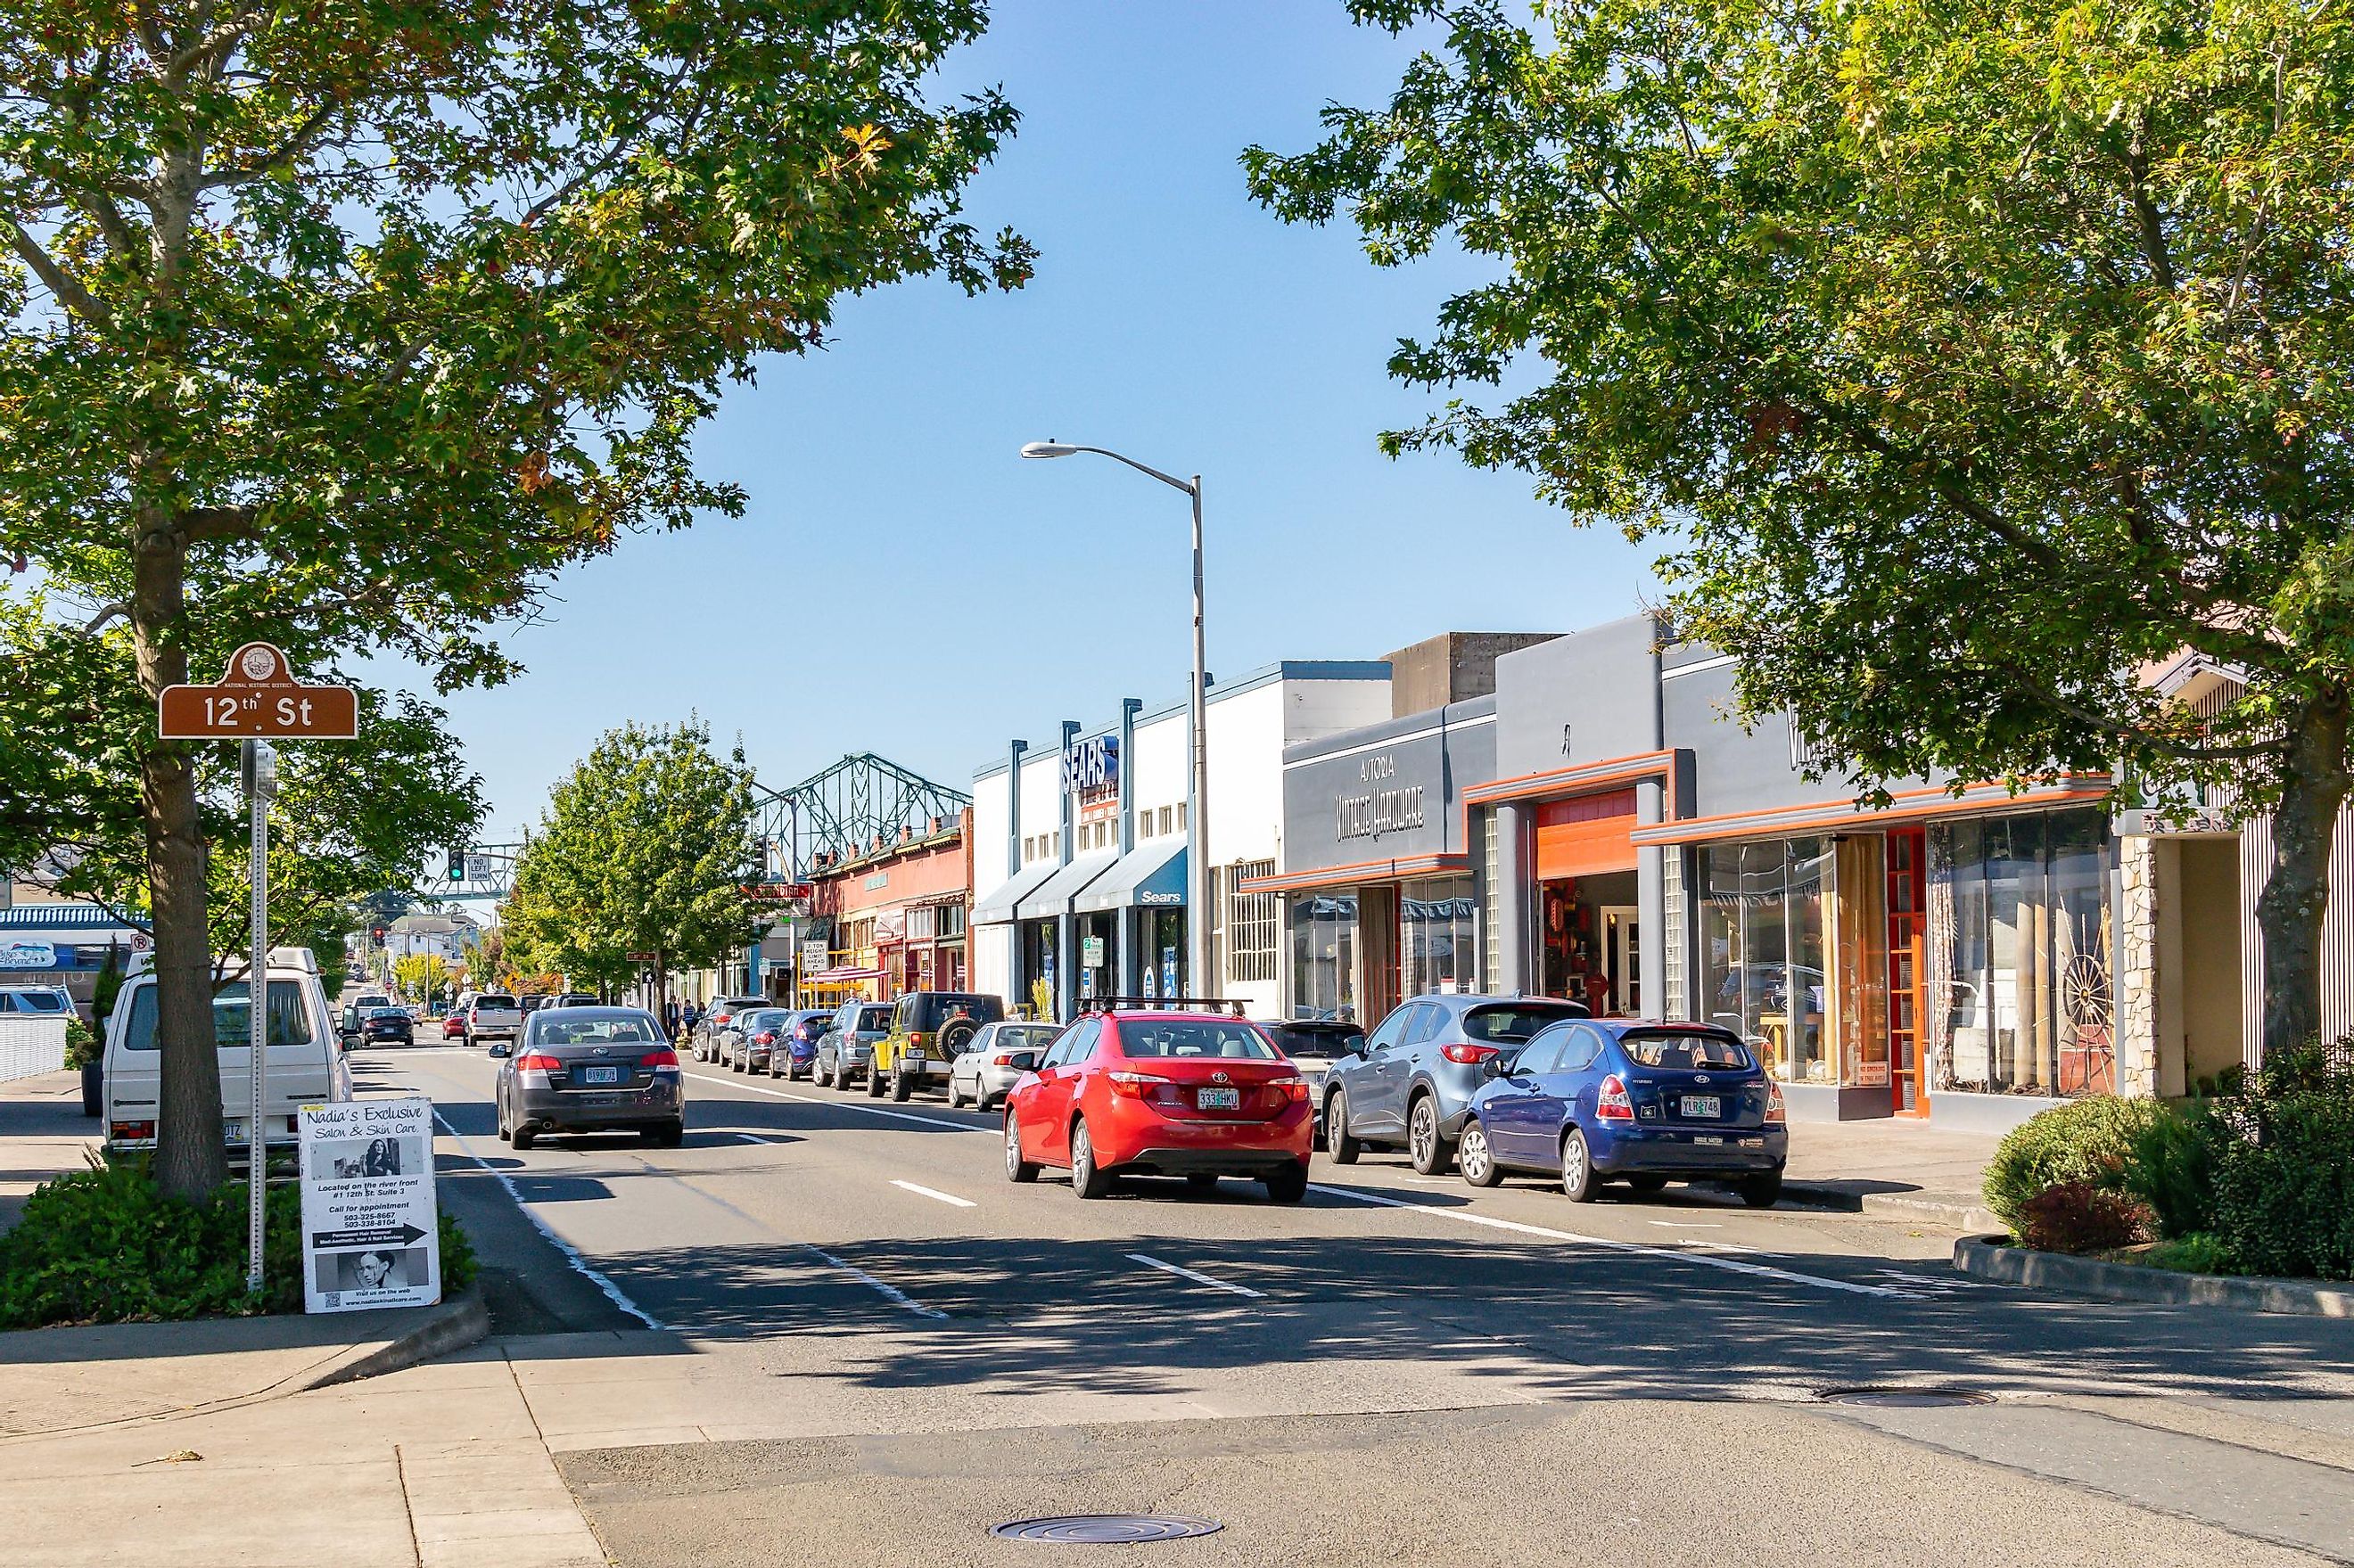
(1513, 1024)
(1192, 1037)
(1684, 1051)
(554, 1028)
(1317, 1043)
(289, 1022)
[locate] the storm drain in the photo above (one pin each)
(1106, 1529)
(1899, 1397)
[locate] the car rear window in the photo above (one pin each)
(34, 1001)
(931, 1012)
(289, 1023)
(769, 1020)
(1192, 1037)
(876, 1016)
(1317, 1043)
(1705, 1052)
(488, 1001)
(551, 1028)
(1513, 1024)
(1027, 1036)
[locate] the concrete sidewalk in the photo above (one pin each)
(44, 1134)
(1894, 1168)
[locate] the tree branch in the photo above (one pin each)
(60, 282)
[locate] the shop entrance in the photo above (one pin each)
(1587, 930)
(1908, 914)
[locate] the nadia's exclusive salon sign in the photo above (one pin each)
(371, 1236)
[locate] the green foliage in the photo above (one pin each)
(2283, 1200)
(81, 1045)
(2081, 1217)
(106, 1245)
(645, 847)
(1970, 360)
(2085, 1140)
(2201, 1252)
(2170, 1166)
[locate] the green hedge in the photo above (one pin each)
(105, 1245)
(2089, 1140)
(2284, 1167)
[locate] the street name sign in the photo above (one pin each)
(258, 697)
(371, 1236)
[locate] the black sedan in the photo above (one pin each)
(387, 1026)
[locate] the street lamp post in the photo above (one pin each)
(1197, 785)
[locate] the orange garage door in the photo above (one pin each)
(1587, 835)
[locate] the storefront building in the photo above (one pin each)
(893, 918)
(58, 942)
(1092, 900)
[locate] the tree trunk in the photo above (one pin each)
(2296, 892)
(190, 1159)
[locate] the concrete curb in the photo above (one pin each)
(1994, 1257)
(1894, 1206)
(456, 1323)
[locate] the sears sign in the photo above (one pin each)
(1091, 767)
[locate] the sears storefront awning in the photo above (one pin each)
(1149, 875)
(1053, 896)
(996, 907)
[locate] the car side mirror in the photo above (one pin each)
(1024, 1060)
(502, 1048)
(1497, 1067)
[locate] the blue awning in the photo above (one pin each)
(996, 907)
(1151, 876)
(1053, 896)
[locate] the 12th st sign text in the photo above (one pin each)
(258, 698)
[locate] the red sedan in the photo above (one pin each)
(1163, 1094)
(455, 1026)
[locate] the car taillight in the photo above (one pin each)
(1135, 1085)
(536, 1064)
(129, 1130)
(1774, 1110)
(665, 1057)
(1004, 1060)
(1467, 1052)
(918, 1039)
(1611, 1104)
(764, 1038)
(1294, 1087)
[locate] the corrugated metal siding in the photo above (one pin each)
(2337, 934)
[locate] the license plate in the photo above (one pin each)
(1219, 1099)
(233, 1131)
(1703, 1106)
(600, 1075)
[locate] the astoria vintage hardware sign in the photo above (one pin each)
(1383, 810)
(258, 698)
(371, 1236)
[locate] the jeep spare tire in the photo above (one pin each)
(956, 1034)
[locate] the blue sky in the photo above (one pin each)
(902, 583)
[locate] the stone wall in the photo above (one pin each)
(2136, 1003)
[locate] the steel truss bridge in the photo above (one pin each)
(840, 813)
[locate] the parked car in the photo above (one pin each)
(1000, 1055)
(1315, 1043)
(358, 1008)
(714, 1020)
(1162, 1093)
(455, 1026)
(532, 1002)
(1650, 1103)
(573, 999)
(751, 1040)
(845, 1052)
(388, 1025)
(1412, 1085)
(590, 1069)
(302, 1052)
(794, 1055)
(929, 1028)
(492, 1015)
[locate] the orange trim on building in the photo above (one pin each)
(1578, 779)
(1784, 821)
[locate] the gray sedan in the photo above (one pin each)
(589, 1069)
(1414, 1083)
(986, 1069)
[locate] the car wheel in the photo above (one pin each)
(1475, 1158)
(1087, 1179)
(1424, 1147)
(773, 1073)
(1016, 1168)
(1343, 1147)
(1647, 1183)
(1287, 1185)
(524, 1137)
(873, 1082)
(956, 1095)
(1761, 1191)
(902, 1084)
(499, 1109)
(1577, 1179)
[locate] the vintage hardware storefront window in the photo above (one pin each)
(1761, 949)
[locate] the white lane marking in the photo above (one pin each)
(890, 1293)
(1706, 1259)
(935, 1193)
(1686, 1226)
(580, 1265)
(843, 1105)
(756, 1138)
(1150, 1262)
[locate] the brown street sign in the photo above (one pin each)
(259, 698)
(640, 958)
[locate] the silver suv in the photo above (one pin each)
(845, 1052)
(1413, 1080)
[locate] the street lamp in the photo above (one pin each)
(1197, 786)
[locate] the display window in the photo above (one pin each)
(1324, 940)
(1761, 950)
(1436, 920)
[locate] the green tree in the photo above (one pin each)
(348, 325)
(646, 847)
(1975, 356)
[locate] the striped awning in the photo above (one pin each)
(842, 977)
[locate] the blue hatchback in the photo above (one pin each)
(1646, 1103)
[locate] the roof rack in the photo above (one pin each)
(1230, 1006)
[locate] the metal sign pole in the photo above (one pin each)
(260, 766)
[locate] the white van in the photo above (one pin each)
(305, 1064)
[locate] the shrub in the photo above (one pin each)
(81, 1045)
(2202, 1252)
(2284, 1167)
(2078, 1217)
(2170, 1166)
(2087, 1141)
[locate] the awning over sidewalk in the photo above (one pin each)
(842, 977)
(1055, 894)
(996, 907)
(1149, 875)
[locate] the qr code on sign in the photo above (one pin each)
(335, 1298)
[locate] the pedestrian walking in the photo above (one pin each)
(689, 1017)
(670, 1018)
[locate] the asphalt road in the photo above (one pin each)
(874, 1257)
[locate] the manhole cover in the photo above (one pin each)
(1905, 1398)
(1101, 1528)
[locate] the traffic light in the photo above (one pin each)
(457, 866)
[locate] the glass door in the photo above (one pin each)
(1908, 907)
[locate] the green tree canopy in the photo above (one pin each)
(1978, 357)
(646, 847)
(347, 325)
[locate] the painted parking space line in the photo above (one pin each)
(1710, 1258)
(891, 1293)
(923, 1192)
(1166, 1268)
(580, 1265)
(840, 1104)
(756, 1138)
